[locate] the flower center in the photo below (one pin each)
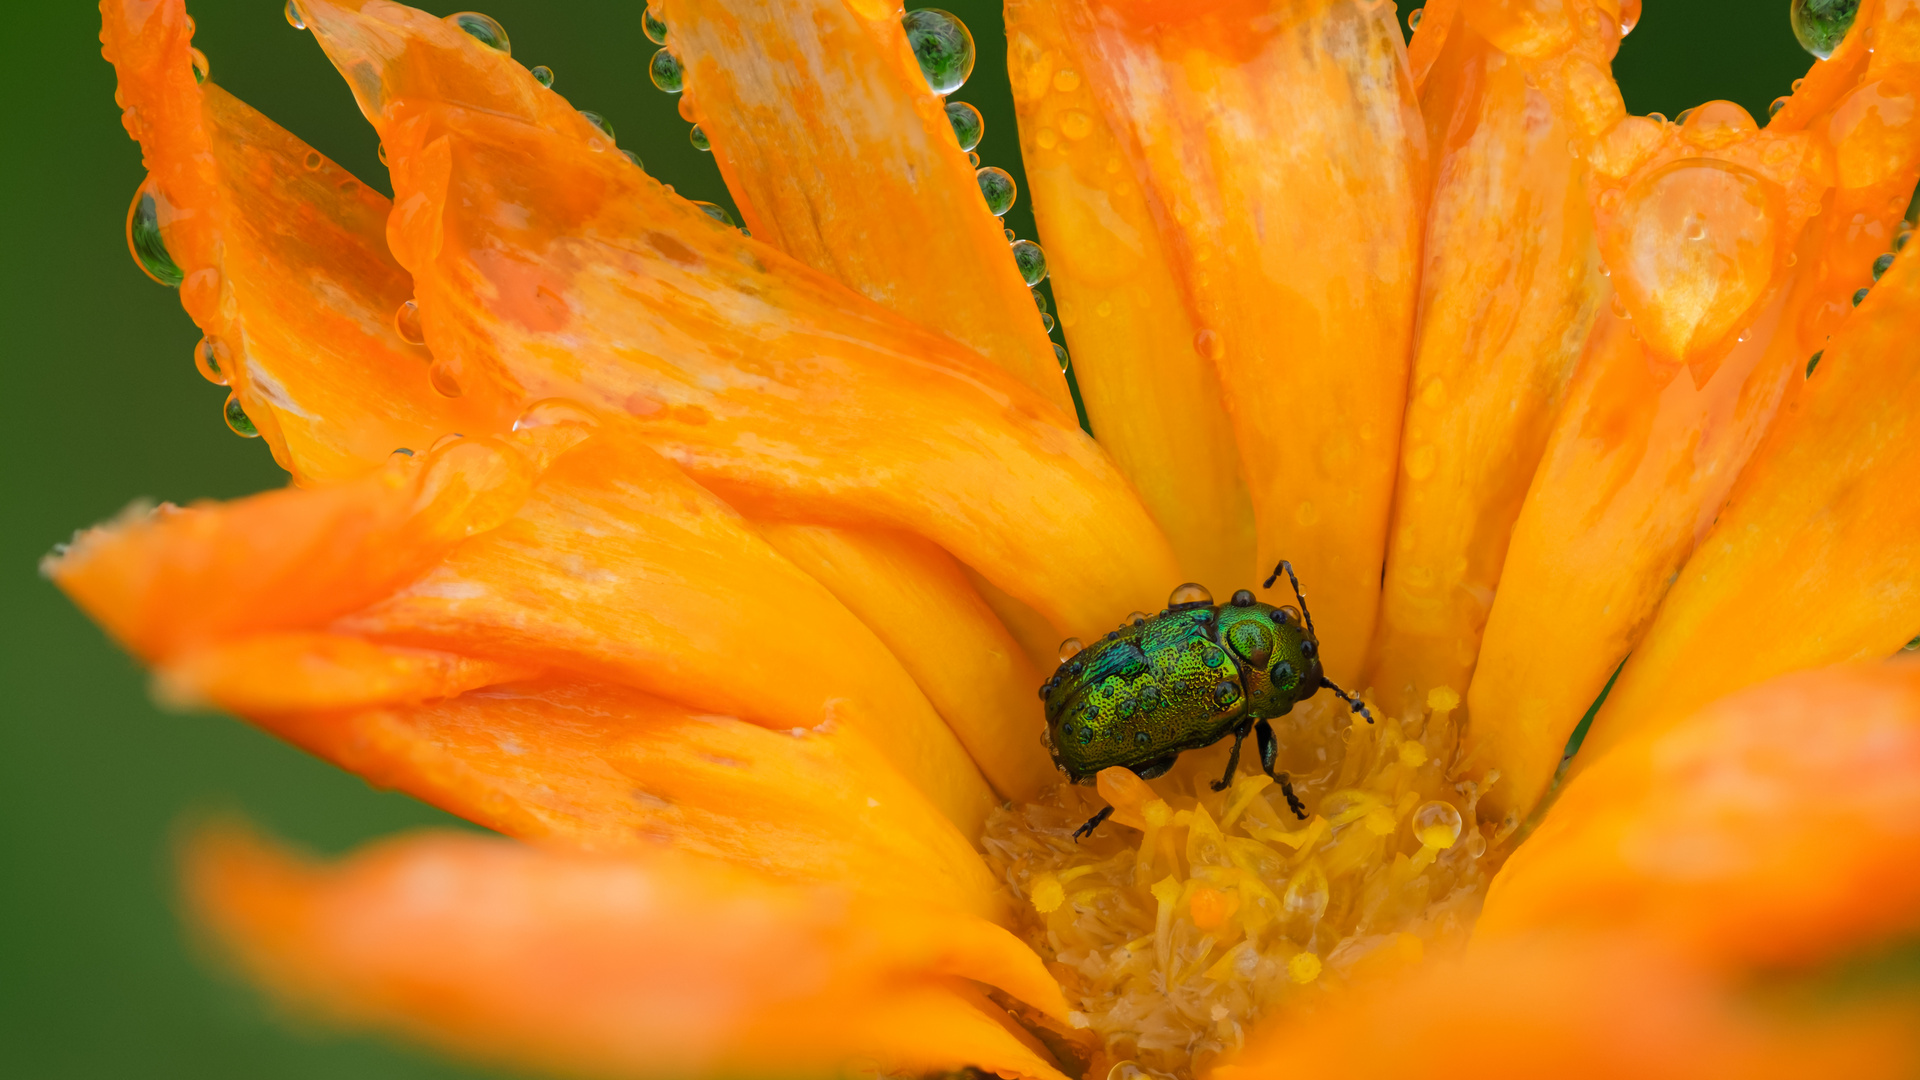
(1193, 913)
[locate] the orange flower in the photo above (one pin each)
(718, 571)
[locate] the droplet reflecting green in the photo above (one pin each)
(655, 29)
(1881, 265)
(237, 418)
(635, 158)
(717, 212)
(201, 69)
(1039, 300)
(208, 357)
(665, 71)
(1413, 18)
(1031, 260)
(1900, 239)
(542, 75)
(598, 121)
(968, 124)
(1778, 104)
(1822, 24)
(1860, 297)
(293, 16)
(699, 139)
(973, 159)
(1046, 320)
(1815, 362)
(483, 28)
(1060, 354)
(148, 246)
(944, 47)
(997, 187)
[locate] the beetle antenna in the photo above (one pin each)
(1358, 705)
(1287, 568)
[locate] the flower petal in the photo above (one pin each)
(919, 602)
(1780, 826)
(270, 674)
(286, 261)
(1573, 1009)
(1295, 232)
(821, 123)
(605, 768)
(1816, 557)
(614, 967)
(1509, 291)
(1645, 451)
(1145, 374)
(783, 392)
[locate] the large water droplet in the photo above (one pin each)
(211, 358)
(1190, 593)
(1436, 824)
(968, 124)
(654, 27)
(998, 188)
(483, 28)
(444, 379)
(1822, 24)
(665, 71)
(598, 121)
(543, 75)
(144, 240)
(406, 323)
(1070, 648)
(294, 18)
(699, 139)
(201, 69)
(237, 418)
(717, 212)
(1031, 260)
(944, 47)
(1135, 618)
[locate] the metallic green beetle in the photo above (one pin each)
(1181, 680)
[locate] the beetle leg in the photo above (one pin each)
(1092, 824)
(1233, 757)
(1286, 567)
(1269, 753)
(1358, 705)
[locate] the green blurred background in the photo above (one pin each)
(96, 978)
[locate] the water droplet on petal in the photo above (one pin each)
(1860, 297)
(1190, 593)
(148, 246)
(1900, 240)
(314, 160)
(699, 139)
(1881, 265)
(294, 18)
(598, 121)
(211, 357)
(1060, 354)
(381, 152)
(653, 26)
(968, 124)
(406, 323)
(1208, 344)
(445, 441)
(1039, 300)
(1009, 234)
(201, 69)
(1413, 18)
(1820, 25)
(1436, 824)
(1814, 362)
(1046, 321)
(483, 28)
(1778, 104)
(543, 75)
(1307, 892)
(1070, 648)
(717, 212)
(1629, 16)
(944, 47)
(444, 379)
(236, 415)
(665, 71)
(554, 411)
(1031, 260)
(997, 187)
(635, 158)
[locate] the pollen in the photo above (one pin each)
(1191, 914)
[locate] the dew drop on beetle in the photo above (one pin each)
(968, 124)
(483, 28)
(1070, 648)
(1136, 618)
(1190, 593)
(944, 47)
(1821, 25)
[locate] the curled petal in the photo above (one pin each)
(286, 261)
(775, 387)
(605, 768)
(1295, 234)
(1777, 827)
(615, 968)
(823, 127)
(270, 674)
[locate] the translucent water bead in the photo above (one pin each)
(944, 47)
(1070, 648)
(237, 418)
(654, 27)
(294, 18)
(968, 124)
(201, 69)
(718, 213)
(665, 71)
(699, 139)
(483, 28)
(144, 240)
(998, 188)
(1060, 354)
(542, 75)
(1822, 24)
(1190, 593)
(598, 121)
(1031, 260)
